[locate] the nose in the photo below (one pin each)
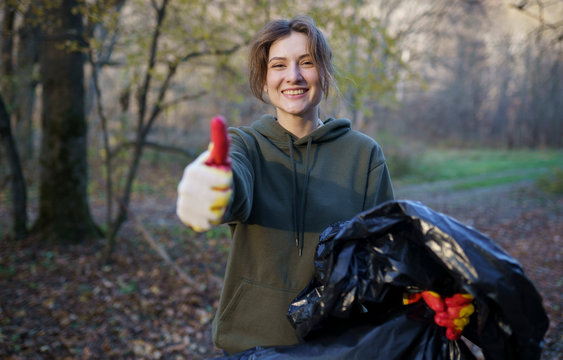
(294, 74)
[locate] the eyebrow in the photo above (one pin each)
(284, 58)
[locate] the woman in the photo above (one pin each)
(292, 175)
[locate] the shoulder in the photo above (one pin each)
(246, 139)
(242, 138)
(361, 139)
(360, 142)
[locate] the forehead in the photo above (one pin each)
(293, 44)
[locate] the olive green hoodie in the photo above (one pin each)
(286, 191)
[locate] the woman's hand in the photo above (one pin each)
(205, 189)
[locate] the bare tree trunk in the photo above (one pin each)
(555, 97)
(27, 80)
(64, 214)
(19, 192)
(353, 96)
(107, 159)
(7, 50)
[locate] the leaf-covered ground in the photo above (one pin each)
(64, 303)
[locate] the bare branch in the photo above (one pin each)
(161, 12)
(180, 99)
(210, 52)
(523, 8)
(172, 67)
(156, 146)
(157, 108)
(142, 99)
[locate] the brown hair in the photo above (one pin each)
(317, 45)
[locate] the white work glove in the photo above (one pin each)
(205, 189)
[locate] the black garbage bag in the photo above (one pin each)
(352, 309)
(397, 337)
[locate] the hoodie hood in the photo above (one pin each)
(269, 127)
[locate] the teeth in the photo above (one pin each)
(294, 92)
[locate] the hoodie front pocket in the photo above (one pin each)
(256, 316)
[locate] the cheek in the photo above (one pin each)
(271, 81)
(313, 78)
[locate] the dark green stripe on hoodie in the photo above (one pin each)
(286, 191)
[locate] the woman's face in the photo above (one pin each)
(292, 80)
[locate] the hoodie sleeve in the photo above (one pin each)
(379, 187)
(243, 179)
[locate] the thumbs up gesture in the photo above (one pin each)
(205, 189)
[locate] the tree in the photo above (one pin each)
(365, 53)
(7, 47)
(17, 186)
(538, 119)
(19, 57)
(172, 43)
(19, 192)
(64, 213)
(450, 46)
(26, 79)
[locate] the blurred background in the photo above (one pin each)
(103, 102)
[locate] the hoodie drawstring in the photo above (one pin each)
(299, 226)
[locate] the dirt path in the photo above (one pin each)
(505, 201)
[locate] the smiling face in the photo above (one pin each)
(293, 83)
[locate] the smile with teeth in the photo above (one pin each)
(294, 91)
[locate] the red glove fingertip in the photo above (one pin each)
(219, 156)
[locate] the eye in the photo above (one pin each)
(307, 63)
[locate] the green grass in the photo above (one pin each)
(491, 181)
(492, 167)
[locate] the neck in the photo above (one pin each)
(300, 126)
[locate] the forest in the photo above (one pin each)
(104, 102)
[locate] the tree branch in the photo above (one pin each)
(142, 99)
(161, 12)
(180, 99)
(172, 67)
(521, 7)
(156, 146)
(210, 52)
